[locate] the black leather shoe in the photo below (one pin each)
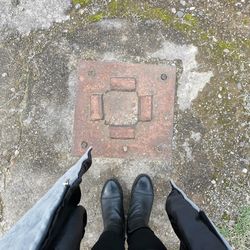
(142, 196)
(112, 207)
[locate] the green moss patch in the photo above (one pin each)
(240, 232)
(192, 20)
(81, 2)
(96, 18)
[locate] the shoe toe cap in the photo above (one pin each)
(144, 185)
(111, 189)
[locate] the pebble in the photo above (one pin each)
(180, 14)
(220, 96)
(173, 10)
(244, 170)
(213, 182)
(81, 11)
(16, 152)
(4, 74)
(192, 8)
(226, 50)
(77, 6)
(125, 148)
(201, 13)
(5, 152)
(183, 2)
(214, 39)
(13, 90)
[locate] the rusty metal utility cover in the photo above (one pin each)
(125, 110)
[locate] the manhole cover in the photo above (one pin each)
(125, 110)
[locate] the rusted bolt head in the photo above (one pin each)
(164, 76)
(84, 144)
(91, 73)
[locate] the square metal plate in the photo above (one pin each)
(125, 110)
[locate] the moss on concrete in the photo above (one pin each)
(96, 18)
(81, 2)
(246, 21)
(222, 45)
(240, 232)
(130, 9)
(158, 14)
(192, 20)
(190, 26)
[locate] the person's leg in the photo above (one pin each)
(109, 241)
(190, 224)
(140, 236)
(143, 239)
(113, 236)
(76, 223)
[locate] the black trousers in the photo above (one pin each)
(141, 239)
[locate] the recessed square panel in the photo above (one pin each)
(120, 108)
(125, 110)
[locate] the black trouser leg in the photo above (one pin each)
(144, 239)
(109, 241)
(190, 225)
(73, 231)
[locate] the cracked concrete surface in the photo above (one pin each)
(38, 59)
(26, 15)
